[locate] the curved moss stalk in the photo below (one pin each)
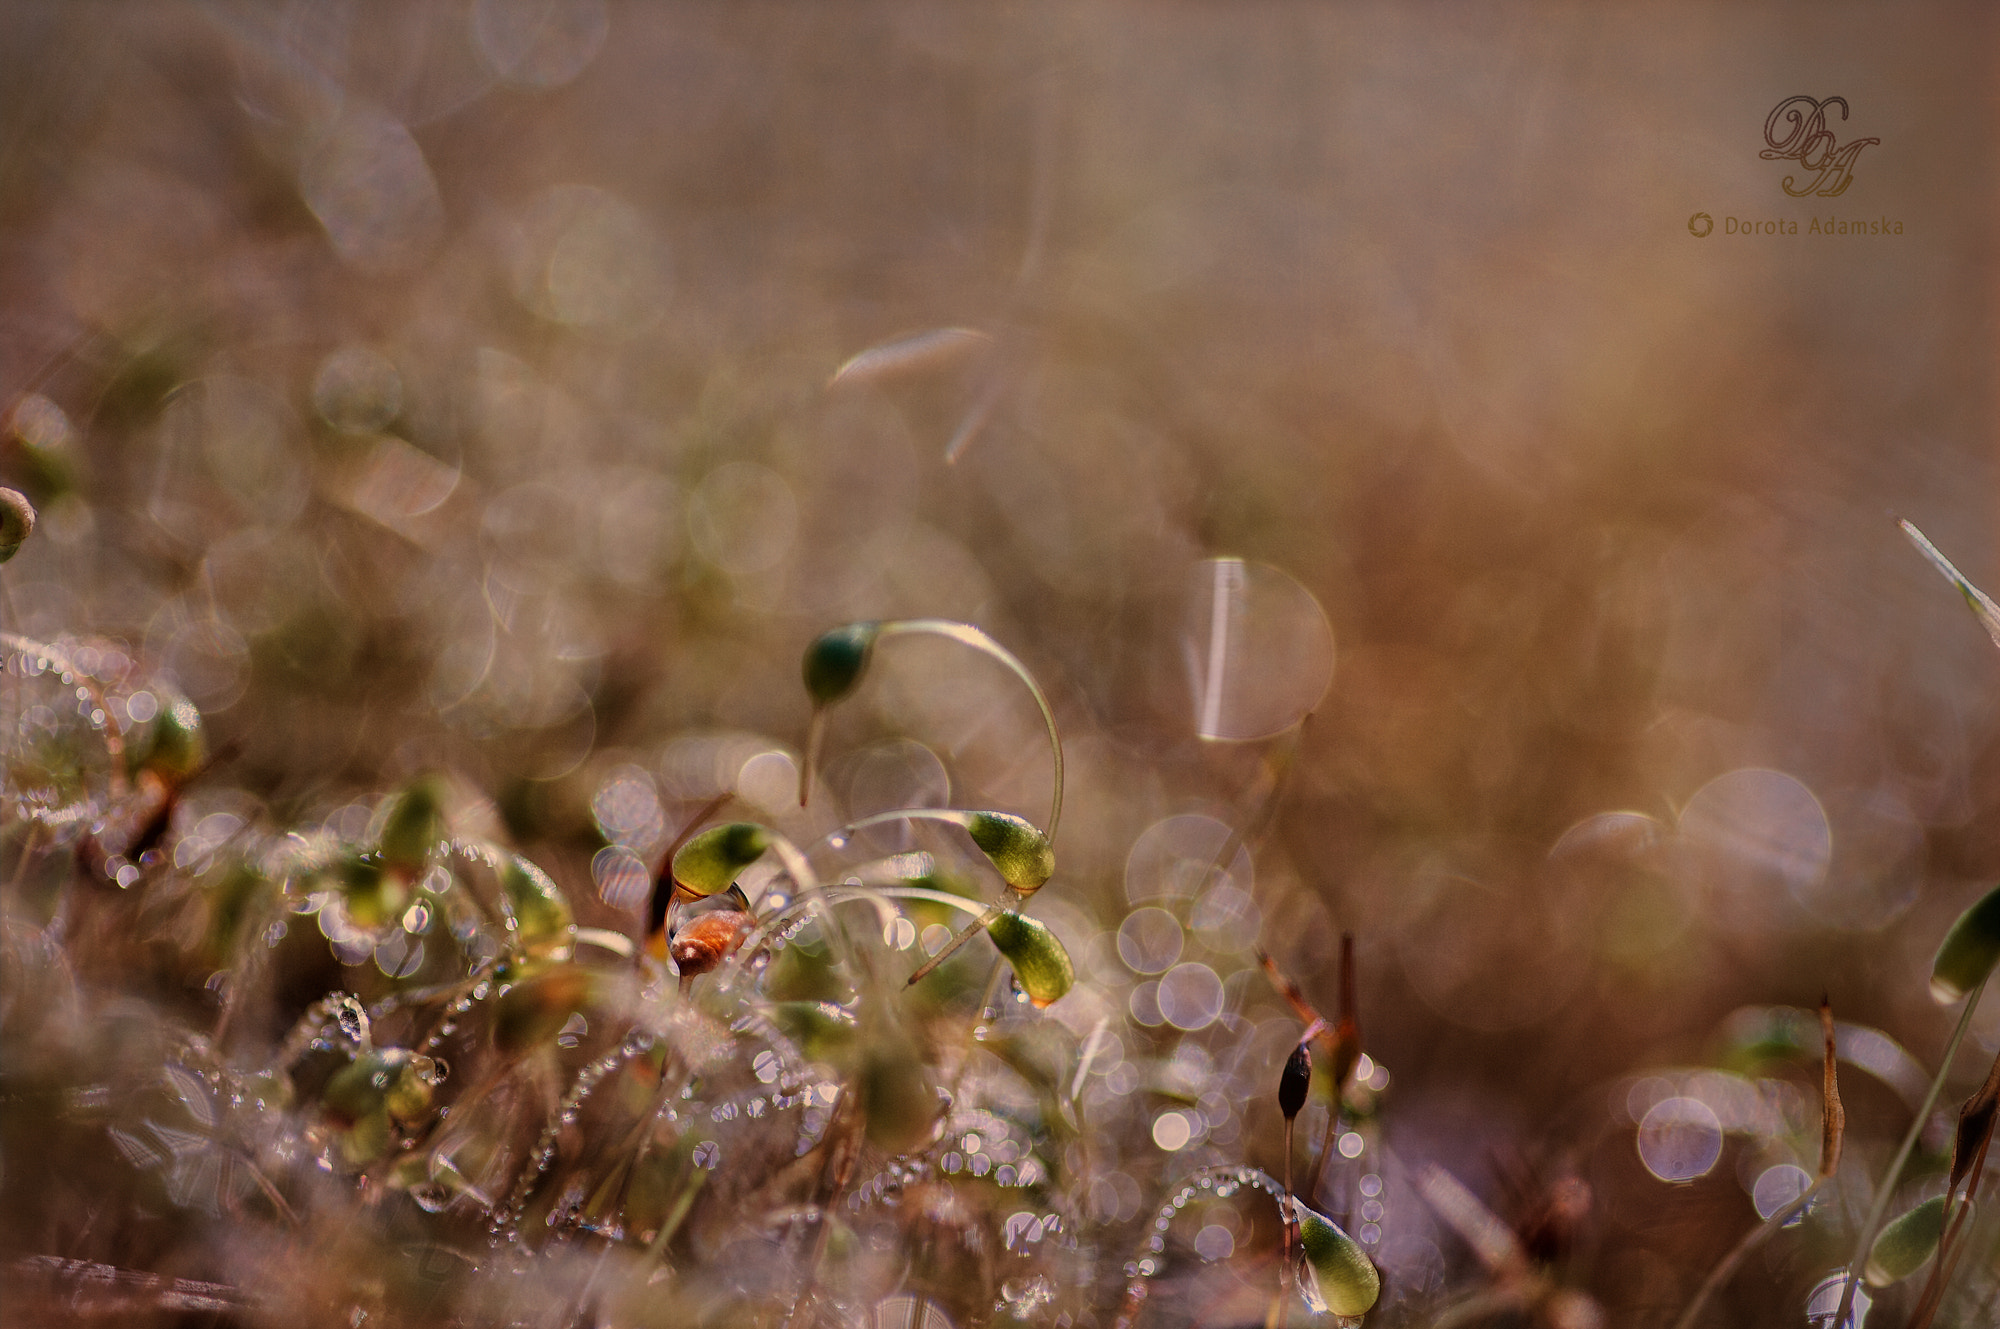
(1017, 851)
(836, 661)
(1719, 1277)
(1888, 1184)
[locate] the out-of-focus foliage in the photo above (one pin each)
(446, 425)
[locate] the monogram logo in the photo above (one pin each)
(1812, 145)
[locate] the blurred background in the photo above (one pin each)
(513, 389)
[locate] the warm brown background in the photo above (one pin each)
(1402, 300)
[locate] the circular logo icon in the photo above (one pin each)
(1700, 224)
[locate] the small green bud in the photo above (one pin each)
(896, 1095)
(534, 1010)
(836, 660)
(1020, 853)
(543, 925)
(415, 825)
(1969, 950)
(711, 861)
(1040, 962)
(1340, 1276)
(1905, 1244)
(174, 743)
(17, 522)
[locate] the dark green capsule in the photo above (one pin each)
(836, 660)
(1295, 1081)
(711, 861)
(17, 522)
(1041, 964)
(1020, 853)
(1905, 1244)
(1969, 950)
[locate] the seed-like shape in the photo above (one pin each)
(17, 522)
(1905, 1244)
(543, 925)
(1969, 950)
(1339, 1269)
(1040, 962)
(836, 660)
(710, 862)
(1296, 1080)
(1020, 853)
(415, 826)
(706, 940)
(534, 1010)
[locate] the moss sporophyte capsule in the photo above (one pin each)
(1969, 951)
(1020, 853)
(1041, 964)
(712, 860)
(1906, 1244)
(836, 660)
(1295, 1081)
(1339, 1274)
(17, 522)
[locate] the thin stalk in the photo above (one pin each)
(952, 817)
(1481, 1306)
(1327, 1146)
(1949, 1247)
(874, 895)
(1883, 1192)
(968, 635)
(1755, 1237)
(957, 943)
